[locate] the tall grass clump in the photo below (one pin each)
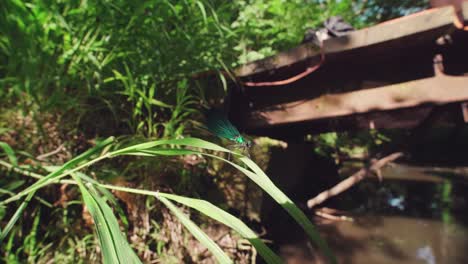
(139, 62)
(114, 246)
(129, 57)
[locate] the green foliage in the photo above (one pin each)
(137, 64)
(382, 10)
(266, 27)
(114, 247)
(60, 53)
(351, 144)
(140, 59)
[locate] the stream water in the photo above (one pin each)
(418, 214)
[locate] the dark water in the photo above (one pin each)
(416, 215)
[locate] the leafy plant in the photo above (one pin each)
(114, 246)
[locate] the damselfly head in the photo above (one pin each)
(248, 143)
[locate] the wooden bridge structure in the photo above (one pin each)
(396, 74)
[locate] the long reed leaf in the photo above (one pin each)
(62, 171)
(218, 253)
(9, 152)
(231, 221)
(290, 207)
(190, 142)
(15, 217)
(254, 173)
(114, 246)
(212, 211)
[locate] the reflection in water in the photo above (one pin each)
(397, 202)
(426, 254)
(395, 239)
(405, 219)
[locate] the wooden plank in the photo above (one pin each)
(421, 26)
(406, 118)
(431, 91)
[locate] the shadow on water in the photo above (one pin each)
(417, 215)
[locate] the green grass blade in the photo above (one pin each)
(114, 245)
(213, 212)
(108, 195)
(189, 142)
(9, 152)
(170, 152)
(255, 174)
(264, 182)
(30, 191)
(290, 207)
(202, 10)
(15, 217)
(197, 232)
(62, 171)
(233, 222)
(159, 103)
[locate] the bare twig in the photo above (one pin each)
(353, 179)
(333, 217)
(45, 155)
(63, 196)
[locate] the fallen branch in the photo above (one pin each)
(353, 179)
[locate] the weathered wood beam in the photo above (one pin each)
(437, 90)
(405, 118)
